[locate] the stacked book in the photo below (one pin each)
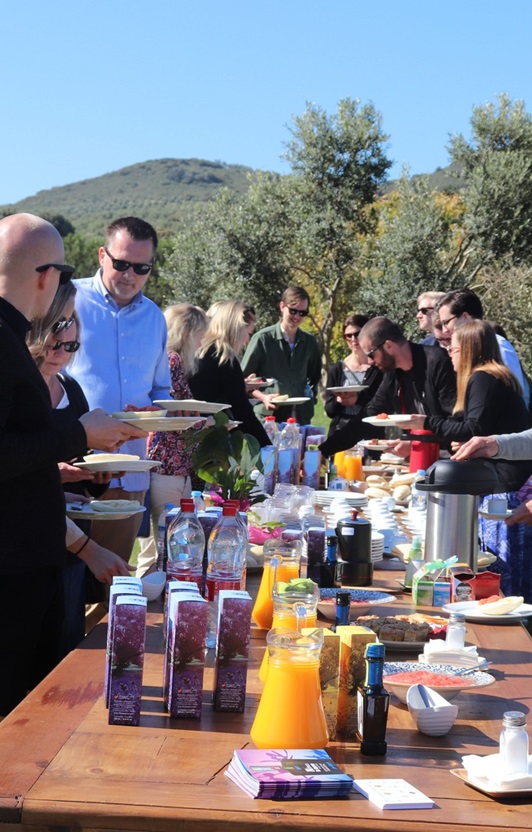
(288, 773)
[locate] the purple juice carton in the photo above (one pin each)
(186, 650)
(128, 642)
(232, 650)
(122, 585)
(315, 546)
(174, 587)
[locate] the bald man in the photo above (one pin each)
(32, 506)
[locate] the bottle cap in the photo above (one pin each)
(343, 598)
(187, 504)
(195, 494)
(291, 421)
(457, 618)
(513, 719)
(375, 651)
(269, 418)
(229, 510)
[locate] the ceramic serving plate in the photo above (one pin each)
(473, 612)
(417, 674)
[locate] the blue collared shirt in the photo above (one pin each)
(122, 359)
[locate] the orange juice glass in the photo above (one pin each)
(290, 712)
(353, 465)
(292, 610)
(339, 461)
(280, 564)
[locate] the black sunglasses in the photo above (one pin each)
(372, 352)
(68, 346)
(301, 312)
(351, 335)
(425, 309)
(124, 265)
(65, 272)
(62, 325)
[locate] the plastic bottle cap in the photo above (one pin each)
(269, 418)
(291, 421)
(375, 651)
(229, 510)
(187, 504)
(343, 598)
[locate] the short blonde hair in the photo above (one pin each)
(227, 324)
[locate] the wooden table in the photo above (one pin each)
(62, 765)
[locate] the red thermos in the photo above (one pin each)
(423, 453)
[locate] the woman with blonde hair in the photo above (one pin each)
(219, 377)
(170, 482)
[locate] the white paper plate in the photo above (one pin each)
(167, 423)
(129, 465)
(392, 419)
(495, 515)
(351, 388)
(86, 513)
(192, 405)
(379, 446)
(257, 385)
(472, 612)
(292, 400)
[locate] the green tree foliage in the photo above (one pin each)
(497, 170)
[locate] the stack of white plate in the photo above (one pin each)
(325, 498)
(377, 546)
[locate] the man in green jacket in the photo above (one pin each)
(290, 356)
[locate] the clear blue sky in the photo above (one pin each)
(90, 87)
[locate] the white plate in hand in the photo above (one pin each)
(496, 515)
(131, 466)
(166, 423)
(392, 419)
(292, 400)
(83, 511)
(351, 388)
(192, 405)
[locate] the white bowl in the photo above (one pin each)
(418, 675)
(436, 720)
(153, 584)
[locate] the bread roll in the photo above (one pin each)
(377, 493)
(401, 493)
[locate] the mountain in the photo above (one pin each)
(160, 191)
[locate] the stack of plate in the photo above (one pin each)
(325, 498)
(377, 546)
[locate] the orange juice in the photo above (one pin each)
(339, 461)
(290, 712)
(353, 467)
(275, 569)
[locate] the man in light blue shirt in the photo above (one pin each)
(123, 357)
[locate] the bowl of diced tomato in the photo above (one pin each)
(446, 679)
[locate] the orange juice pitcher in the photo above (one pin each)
(293, 609)
(281, 563)
(353, 464)
(290, 712)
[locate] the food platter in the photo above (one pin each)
(351, 388)
(192, 405)
(473, 612)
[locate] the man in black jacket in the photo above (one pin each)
(417, 378)
(32, 504)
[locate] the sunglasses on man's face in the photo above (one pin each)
(301, 312)
(68, 346)
(425, 309)
(124, 265)
(65, 272)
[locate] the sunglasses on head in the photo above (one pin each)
(301, 312)
(65, 272)
(351, 335)
(124, 265)
(425, 309)
(62, 325)
(68, 346)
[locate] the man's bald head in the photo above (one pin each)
(27, 242)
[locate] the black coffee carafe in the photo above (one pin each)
(354, 566)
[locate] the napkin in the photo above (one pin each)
(487, 772)
(436, 650)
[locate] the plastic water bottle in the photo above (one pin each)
(185, 545)
(272, 429)
(290, 440)
(226, 564)
(199, 504)
(418, 499)
(161, 537)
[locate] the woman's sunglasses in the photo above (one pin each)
(350, 335)
(68, 346)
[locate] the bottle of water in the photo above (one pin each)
(226, 565)
(186, 542)
(271, 428)
(161, 537)
(290, 440)
(199, 504)
(418, 499)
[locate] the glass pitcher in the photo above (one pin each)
(281, 563)
(292, 610)
(290, 712)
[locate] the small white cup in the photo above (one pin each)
(497, 505)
